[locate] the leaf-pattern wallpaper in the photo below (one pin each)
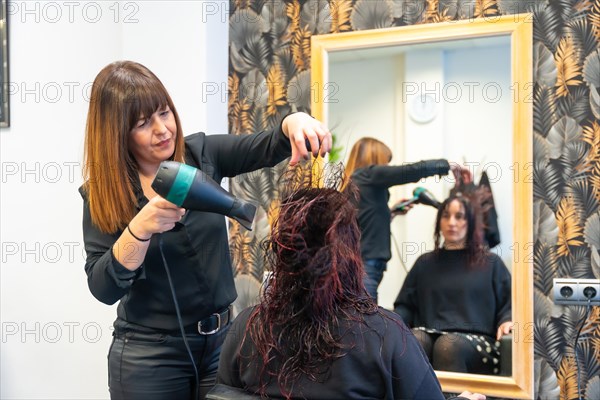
(269, 76)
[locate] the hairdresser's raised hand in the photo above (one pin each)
(159, 215)
(461, 173)
(301, 129)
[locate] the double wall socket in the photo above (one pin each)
(578, 292)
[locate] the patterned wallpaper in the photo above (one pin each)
(269, 59)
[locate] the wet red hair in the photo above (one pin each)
(317, 280)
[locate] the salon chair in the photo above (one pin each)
(224, 392)
(506, 355)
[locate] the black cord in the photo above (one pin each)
(399, 253)
(587, 311)
(179, 319)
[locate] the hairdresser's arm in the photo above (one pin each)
(237, 154)
(113, 261)
(158, 215)
(108, 280)
(232, 155)
(391, 175)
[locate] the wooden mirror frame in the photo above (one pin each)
(4, 82)
(520, 29)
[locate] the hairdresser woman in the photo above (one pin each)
(369, 170)
(132, 126)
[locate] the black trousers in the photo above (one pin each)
(374, 269)
(156, 366)
(458, 352)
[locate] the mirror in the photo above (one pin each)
(458, 90)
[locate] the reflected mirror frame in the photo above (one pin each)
(4, 97)
(520, 29)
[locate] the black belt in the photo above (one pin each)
(211, 324)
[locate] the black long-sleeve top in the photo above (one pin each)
(196, 250)
(383, 361)
(448, 295)
(373, 212)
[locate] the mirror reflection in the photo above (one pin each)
(459, 97)
(457, 298)
(431, 101)
(378, 94)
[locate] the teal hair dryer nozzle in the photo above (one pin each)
(190, 188)
(420, 196)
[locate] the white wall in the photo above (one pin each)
(485, 119)
(363, 103)
(412, 233)
(55, 335)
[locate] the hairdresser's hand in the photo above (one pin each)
(402, 211)
(504, 329)
(300, 128)
(159, 215)
(472, 396)
(461, 173)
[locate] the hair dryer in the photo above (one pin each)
(190, 188)
(420, 195)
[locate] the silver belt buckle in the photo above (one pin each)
(214, 330)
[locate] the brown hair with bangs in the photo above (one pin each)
(367, 151)
(122, 92)
(475, 247)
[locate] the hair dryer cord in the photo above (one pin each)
(179, 319)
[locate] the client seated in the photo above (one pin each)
(457, 299)
(316, 333)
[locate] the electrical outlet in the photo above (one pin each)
(568, 291)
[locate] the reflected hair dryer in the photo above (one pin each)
(190, 188)
(420, 196)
